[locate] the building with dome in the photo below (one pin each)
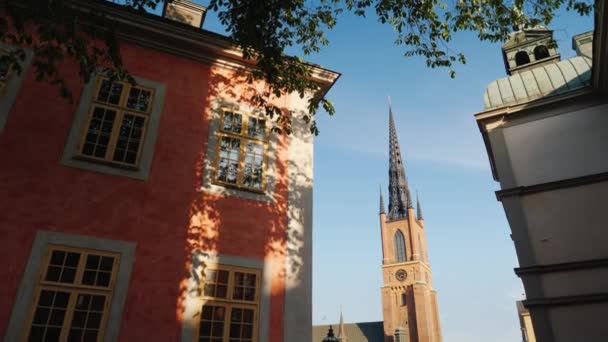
(545, 131)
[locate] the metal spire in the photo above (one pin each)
(381, 201)
(341, 332)
(399, 199)
(418, 208)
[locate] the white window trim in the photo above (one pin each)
(208, 184)
(142, 171)
(29, 281)
(193, 302)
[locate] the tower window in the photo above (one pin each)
(399, 247)
(403, 299)
(541, 52)
(522, 58)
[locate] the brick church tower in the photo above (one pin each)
(409, 303)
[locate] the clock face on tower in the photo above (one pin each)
(401, 274)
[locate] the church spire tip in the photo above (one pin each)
(400, 199)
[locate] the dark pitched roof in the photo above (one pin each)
(355, 332)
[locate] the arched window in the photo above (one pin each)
(399, 246)
(541, 52)
(421, 251)
(522, 58)
(403, 299)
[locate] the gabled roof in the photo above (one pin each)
(355, 332)
(546, 80)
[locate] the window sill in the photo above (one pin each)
(236, 187)
(106, 162)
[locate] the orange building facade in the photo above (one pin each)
(164, 211)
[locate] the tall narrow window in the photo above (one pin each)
(541, 52)
(403, 299)
(420, 250)
(230, 305)
(242, 151)
(522, 58)
(400, 255)
(71, 302)
(117, 122)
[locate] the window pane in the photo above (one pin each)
(41, 316)
(212, 323)
(256, 128)
(240, 328)
(129, 139)
(53, 273)
(110, 93)
(99, 132)
(229, 159)
(68, 275)
(244, 286)
(139, 99)
(62, 266)
(57, 258)
(75, 335)
(106, 264)
(72, 259)
(52, 334)
(252, 173)
(233, 122)
(49, 315)
(87, 316)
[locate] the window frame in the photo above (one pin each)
(121, 111)
(229, 302)
(399, 238)
(76, 288)
(243, 137)
(28, 291)
(72, 155)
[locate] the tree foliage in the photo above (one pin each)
(264, 29)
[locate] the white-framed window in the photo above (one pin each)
(73, 288)
(115, 127)
(241, 152)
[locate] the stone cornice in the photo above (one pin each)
(562, 267)
(172, 37)
(550, 186)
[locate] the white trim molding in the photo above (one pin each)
(29, 281)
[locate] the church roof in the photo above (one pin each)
(355, 332)
(546, 80)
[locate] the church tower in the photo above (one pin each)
(409, 303)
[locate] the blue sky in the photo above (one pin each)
(471, 253)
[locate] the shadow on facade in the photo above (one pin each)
(221, 225)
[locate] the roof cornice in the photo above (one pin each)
(179, 39)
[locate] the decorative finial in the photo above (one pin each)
(418, 207)
(330, 336)
(381, 201)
